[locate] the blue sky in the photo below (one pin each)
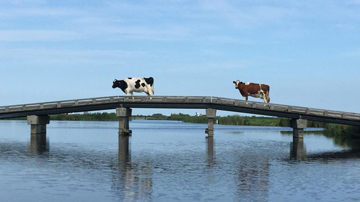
(307, 51)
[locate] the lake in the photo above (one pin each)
(173, 161)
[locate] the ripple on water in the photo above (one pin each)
(172, 161)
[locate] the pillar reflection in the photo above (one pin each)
(126, 181)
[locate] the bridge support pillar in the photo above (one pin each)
(38, 143)
(124, 149)
(210, 114)
(124, 118)
(38, 123)
(297, 149)
(298, 126)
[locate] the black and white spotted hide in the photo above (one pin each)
(139, 85)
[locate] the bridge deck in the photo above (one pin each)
(180, 102)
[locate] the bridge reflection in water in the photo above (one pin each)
(252, 176)
(133, 180)
(39, 144)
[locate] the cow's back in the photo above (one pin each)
(265, 88)
(138, 84)
(253, 88)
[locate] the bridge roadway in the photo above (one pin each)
(179, 102)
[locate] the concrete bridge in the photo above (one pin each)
(38, 113)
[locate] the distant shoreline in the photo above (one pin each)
(331, 129)
(221, 120)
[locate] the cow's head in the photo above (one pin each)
(120, 84)
(236, 83)
(115, 84)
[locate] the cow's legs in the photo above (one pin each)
(264, 98)
(150, 91)
(149, 95)
(268, 97)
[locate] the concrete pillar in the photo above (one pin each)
(124, 149)
(38, 143)
(297, 149)
(298, 126)
(210, 151)
(38, 123)
(210, 146)
(210, 114)
(124, 115)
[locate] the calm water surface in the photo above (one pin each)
(173, 161)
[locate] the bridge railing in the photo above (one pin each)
(181, 99)
(104, 100)
(57, 104)
(287, 108)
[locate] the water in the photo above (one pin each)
(173, 161)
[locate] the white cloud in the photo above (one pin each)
(37, 35)
(24, 2)
(247, 15)
(206, 67)
(118, 31)
(354, 53)
(45, 56)
(39, 12)
(142, 32)
(353, 2)
(228, 39)
(30, 52)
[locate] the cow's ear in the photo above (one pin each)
(234, 82)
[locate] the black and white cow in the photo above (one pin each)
(130, 85)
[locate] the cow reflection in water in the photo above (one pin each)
(126, 181)
(133, 181)
(252, 177)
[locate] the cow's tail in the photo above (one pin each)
(267, 95)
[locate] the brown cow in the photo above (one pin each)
(254, 90)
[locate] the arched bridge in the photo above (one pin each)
(211, 104)
(179, 102)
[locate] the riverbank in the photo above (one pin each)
(227, 120)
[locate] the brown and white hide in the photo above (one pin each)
(253, 90)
